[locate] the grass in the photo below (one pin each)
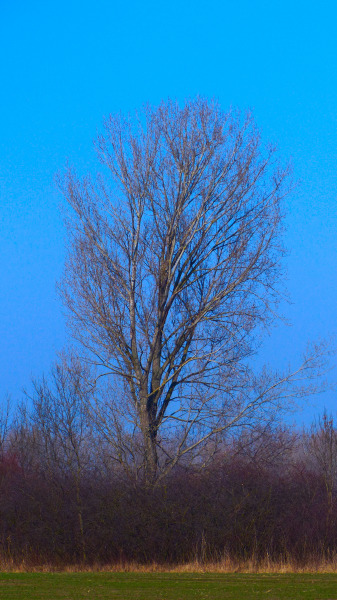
(167, 586)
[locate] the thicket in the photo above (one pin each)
(268, 494)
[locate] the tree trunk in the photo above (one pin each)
(149, 432)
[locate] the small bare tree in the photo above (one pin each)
(173, 265)
(62, 429)
(322, 448)
(5, 421)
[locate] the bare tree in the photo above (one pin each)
(62, 429)
(5, 421)
(173, 267)
(322, 448)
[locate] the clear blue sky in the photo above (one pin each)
(65, 65)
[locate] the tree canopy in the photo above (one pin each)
(173, 268)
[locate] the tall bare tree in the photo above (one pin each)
(172, 268)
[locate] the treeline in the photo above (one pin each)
(64, 499)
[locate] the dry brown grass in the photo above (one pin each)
(225, 565)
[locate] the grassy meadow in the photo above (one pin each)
(167, 586)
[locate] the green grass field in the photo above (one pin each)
(165, 586)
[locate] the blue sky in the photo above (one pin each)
(66, 65)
